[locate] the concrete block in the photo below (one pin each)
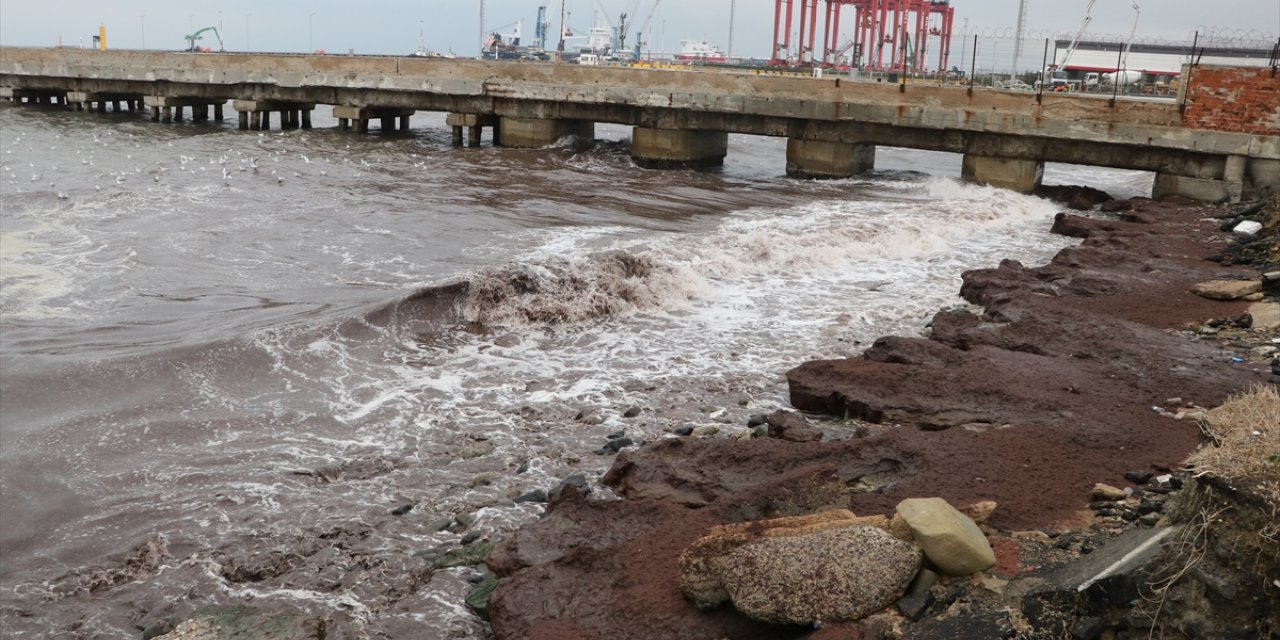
(1008, 173)
(819, 159)
(536, 132)
(678, 148)
(1202, 189)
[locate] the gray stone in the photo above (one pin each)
(950, 539)
(1115, 570)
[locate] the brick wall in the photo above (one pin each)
(1235, 99)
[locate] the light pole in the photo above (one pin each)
(142, 22)
(311, 30)
(733, 10)
(247, 47)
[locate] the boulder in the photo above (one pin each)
(1265, 316)
(792, 427)
(246, 623)
(799, 570)
(1102, 491)
(950, 539)
(702, 564)
(1226, 289)
(836, 575)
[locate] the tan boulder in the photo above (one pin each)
(950, 539)
(1103, 491)
(1265, 315)
(1226, 289)
(835, 575)
(827, 566)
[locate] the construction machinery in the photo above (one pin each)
(1121, 76)
(199, 35)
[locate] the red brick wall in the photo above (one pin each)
(1236, 99)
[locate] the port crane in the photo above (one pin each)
(199, 35)
(645, 27)
(623, 28)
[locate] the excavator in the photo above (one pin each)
(199, 35)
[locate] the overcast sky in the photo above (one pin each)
(393, 26)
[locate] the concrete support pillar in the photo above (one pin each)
(473, 136)
(243, 117)
(364, 125)
(344, 124)
(1260, 174)
(387, 124)
(821, 159)
(115, 106)
(306, 118)
(166, 114)
(457, 136)
(266, 120)
(1015, 174)
(155, 114)
(102, 106)
(217, 111)
(255, 121)
(404, 123)
(678, 148)
(532, 133)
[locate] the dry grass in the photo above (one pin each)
(1245, 448)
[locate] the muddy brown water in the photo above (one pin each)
(229, 358)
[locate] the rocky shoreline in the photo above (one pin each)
(1087, 370)
(1057, 411)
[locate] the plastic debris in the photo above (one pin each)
(1247, 228)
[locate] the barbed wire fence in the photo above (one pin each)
(990, 57)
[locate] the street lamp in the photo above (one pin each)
(311, 40)
(142, 21)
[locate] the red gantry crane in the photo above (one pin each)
(889, 35)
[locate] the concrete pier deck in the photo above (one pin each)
(681, 117)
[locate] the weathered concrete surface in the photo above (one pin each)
(663, 148)
(821, 159)
(1140, 135)
(532, 133)
(1009, 173)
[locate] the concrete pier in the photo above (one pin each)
(678, 148)
(1222, 141)
(821, 159)
(534, 133)
(90, 101)
(474, 125)
(357, 119)
(1015, 174)
(173, 109)
(255, 115)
